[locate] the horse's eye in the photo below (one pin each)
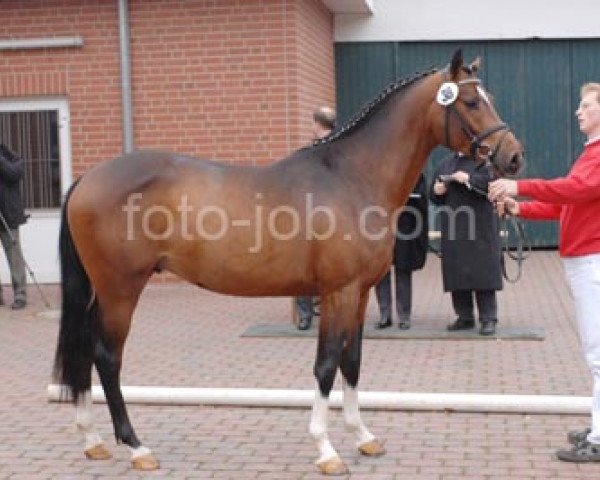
(472, 104)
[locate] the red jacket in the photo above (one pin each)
(574, 200)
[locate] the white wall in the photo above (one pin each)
(39, 241)
(413, 20)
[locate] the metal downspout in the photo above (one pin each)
(128, 143)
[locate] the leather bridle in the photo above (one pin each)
(477, 148)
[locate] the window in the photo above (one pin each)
(34, 136)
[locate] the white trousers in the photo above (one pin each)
(583, 274)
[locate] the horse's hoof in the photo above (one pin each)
(145, 462)
(98, 452)
(333, 466)
(374, 448)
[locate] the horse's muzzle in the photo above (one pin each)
(515, 163)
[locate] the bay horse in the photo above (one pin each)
(133, 216)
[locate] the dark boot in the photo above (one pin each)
(461, 324)
(304, 323)
(404, 323)
(384, 322)
(18, 304)
(584, 452)
(575, 437)
(488, 327)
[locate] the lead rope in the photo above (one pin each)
(522, 248)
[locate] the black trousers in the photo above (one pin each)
(383, 292)
(487, 306)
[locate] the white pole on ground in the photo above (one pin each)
(257, 397)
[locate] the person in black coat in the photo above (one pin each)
(470, 245)
(13, 216)
(410, 251)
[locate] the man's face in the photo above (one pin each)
(588, 114)
(319, 131)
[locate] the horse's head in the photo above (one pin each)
(464, 119)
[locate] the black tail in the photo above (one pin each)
(79, 316)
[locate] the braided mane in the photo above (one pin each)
(371, 108)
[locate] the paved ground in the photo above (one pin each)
(183, 336)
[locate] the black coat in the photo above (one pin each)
(472, 259)
(410, 249)
(11, 202)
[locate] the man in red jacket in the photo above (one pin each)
(574, 201)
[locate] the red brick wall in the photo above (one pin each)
(315, 76)
(227, 79)
(234, 80)
(88, 76)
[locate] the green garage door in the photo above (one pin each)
(535, 84)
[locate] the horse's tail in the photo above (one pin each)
(79, 316)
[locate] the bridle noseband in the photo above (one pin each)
(476, 141)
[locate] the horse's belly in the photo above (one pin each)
(235, 282)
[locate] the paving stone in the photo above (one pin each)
(184, 336)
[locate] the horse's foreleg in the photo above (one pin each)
(335, 309)
(108, 354)
(326, 364)
(366, 442)
(350, 366)
(94, 446)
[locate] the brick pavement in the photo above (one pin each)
(183, 336)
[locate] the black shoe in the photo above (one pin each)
(575, 437)
(18, 304)
(488, 327)
(585, 452)
(461, 324)
(383, 323)
(1, 299)
(304, 323)
(404, 324)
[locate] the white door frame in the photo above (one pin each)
(39, 236)
(64, 129)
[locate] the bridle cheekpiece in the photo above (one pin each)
(446, 96)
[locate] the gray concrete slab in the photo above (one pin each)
(416, 332)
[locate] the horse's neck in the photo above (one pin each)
(394, 146)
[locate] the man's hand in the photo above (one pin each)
(460, 177)
(439, 188)
(503, 187)
(507, 206)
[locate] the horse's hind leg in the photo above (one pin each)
(108, 353)
(350, 366)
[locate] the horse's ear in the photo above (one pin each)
(456, 63)
(475, 65)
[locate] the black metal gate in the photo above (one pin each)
(33, 135)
